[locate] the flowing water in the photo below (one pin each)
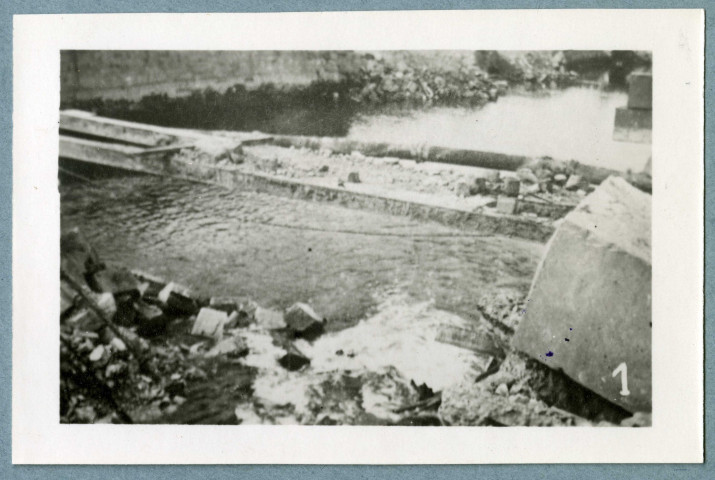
(385, 291)
(386, 284)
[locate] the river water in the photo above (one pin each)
(386, 284)
(278, 251)
(572, 124)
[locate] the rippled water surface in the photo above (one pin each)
(279, 250)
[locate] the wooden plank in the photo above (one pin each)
(85, 123)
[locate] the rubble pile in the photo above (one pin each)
(546, 189)
(382, 82)
(534, 70)
(131, 342)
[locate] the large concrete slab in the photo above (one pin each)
(589, 309)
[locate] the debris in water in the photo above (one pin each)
(294, 359)
(303, 321)
(209, 323)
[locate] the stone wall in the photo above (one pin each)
(132, 74)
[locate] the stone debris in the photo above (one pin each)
(303, 321)
(270, 319)
(232, 347)
(574, 182)
(209, 323)
(525, 175)
(510, 390)
(225, 304)
(294, 359)
(150, 320)
(178, 299)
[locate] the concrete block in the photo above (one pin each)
(303, 320)
(294, 359)
(209, 323)
(178, 300)
(269, 319)
(589, 309)
(150, 319)
(225, 304)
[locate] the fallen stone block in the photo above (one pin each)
(151, 320)
(237, 319)
(294, 359)
(231, 347)
(589, 309)
(269, 319)
(154, 284)
(209, 323)
(303, 321)
(178, 300)
(225, 304)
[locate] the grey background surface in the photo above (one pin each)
(533, 472)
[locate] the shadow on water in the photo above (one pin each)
(322, 108)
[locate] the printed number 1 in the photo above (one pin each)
(623, 370)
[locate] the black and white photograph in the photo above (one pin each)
(320, 238)
(423, 238)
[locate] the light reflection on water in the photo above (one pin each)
(576, 123)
